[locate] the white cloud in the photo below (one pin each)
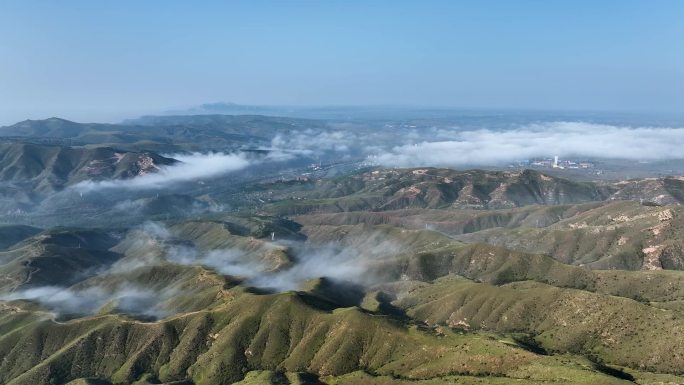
(487, 147)
(327, 260)
(191, 167)
(128, 298)
(350, 261)
(309, 141)
(330, 260)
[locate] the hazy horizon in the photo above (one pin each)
(107, 62)
(360, 112)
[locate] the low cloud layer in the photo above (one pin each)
(130, 299)
(329, 260)
(351, 261)
(191, 167)
(313, 261)
(310, 142)
(487, 147)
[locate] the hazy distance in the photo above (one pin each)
(106, 62)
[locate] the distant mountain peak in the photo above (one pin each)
(56, 119)
(49, 121)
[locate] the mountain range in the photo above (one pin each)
(296, 270)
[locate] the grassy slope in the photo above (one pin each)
(612, 329)
(55, 257)
(284, 332)
(225, 331)
(608, 235)
(431, 188)
(47, 168)
(427, 255)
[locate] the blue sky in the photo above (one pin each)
(92, 60)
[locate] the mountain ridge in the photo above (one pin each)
(52, 167)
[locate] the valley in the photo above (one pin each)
(127, 257)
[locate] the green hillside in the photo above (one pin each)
(480, 278)
(284, 333)
(434, 188)
(47, 168)
(162, 133)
